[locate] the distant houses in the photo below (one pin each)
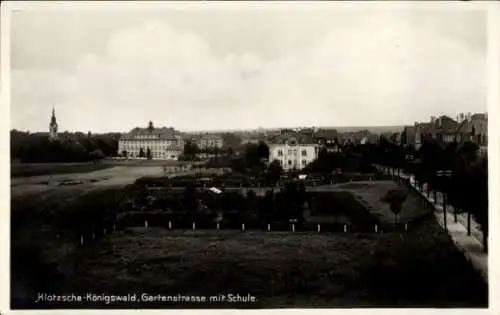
(444, 129)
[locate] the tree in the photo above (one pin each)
(395, 199)
(263, 150)
(252, 156)
(190, 202)
(124, 153)
(190, 150)
(97, 155)
(477, 195)
(273, 173)
(141, 153)
(238, 165)
(148, 154)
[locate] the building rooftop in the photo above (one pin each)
(163, 133)
(295, 139)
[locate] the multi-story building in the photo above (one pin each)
(473, 128)
(163, 143)
(210, 141)
(292, 153)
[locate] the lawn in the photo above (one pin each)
(418, 268)
(36, 169)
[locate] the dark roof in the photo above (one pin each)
(163, 133)
(297, 138)
(478, 121)
(322, 133)
(211, 137)
(410, 131)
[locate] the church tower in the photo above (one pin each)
(53, 126)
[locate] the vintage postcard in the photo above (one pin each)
(247, 155)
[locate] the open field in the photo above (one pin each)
(36, 169)
(418, 268)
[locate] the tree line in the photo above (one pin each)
(69, 147)
(454, 170)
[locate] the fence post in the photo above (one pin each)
(268, 227)
(194, 226)
(218, 226)
(146, 225)
(345, 228)
(444, 214)
(243, 226)
(81, 239)
(319, 228)
(293, 227)
(169, 225)
(406, 226)
(376, 228)
(468, 223)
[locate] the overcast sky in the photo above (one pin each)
(245, 67)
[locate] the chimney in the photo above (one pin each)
(433, 119)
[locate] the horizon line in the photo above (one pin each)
(255, 129)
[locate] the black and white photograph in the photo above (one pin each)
(248, 155)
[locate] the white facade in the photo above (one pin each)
(293, 156)
(162, 143)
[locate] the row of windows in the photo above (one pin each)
(152, 147)
(292, 162)
(154, 154)
(151, 142)
(292, 152)
(147, 136)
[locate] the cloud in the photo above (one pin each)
(375, 73)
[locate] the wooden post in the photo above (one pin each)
(81, 239)
(406, 226)
(268, 227)
(146, 225)
(243, 226)
(218, 226)
(194, 226)
(376, 228)
(93, 236)
(345, 228)
(169, 225)
(319, 228)
(444, 212)
(468, 223)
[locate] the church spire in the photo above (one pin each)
(53, 124)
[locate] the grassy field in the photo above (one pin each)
(36, 169)
(418, 268)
